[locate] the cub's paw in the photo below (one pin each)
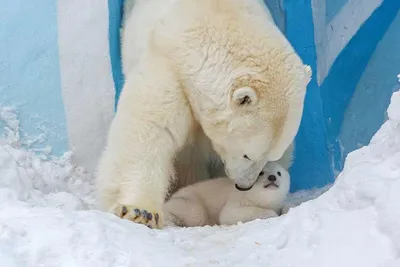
(151, 219)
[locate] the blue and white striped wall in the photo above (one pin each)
(60, 68)
(353, 47)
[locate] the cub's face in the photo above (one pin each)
(272, 185)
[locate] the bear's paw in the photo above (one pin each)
(151, 219)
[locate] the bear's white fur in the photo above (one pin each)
(217, 201)
(210, 82)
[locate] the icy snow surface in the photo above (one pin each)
(48, 217)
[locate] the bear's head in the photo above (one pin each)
(244, 81)
(259, 121)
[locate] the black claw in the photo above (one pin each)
(149, 226)
(156, 217)
(124, 211)
(145, 214)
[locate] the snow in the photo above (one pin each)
(48, 217)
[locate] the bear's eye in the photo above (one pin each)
(246, 157)
(279, 173)
(244, 100)
(261, 174)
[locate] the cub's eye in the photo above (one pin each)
(279, 173)
(246, 157)
(261, 174)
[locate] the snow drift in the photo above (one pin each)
(48, 217)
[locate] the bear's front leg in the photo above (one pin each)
(152, 124)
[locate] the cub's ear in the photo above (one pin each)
(244, 96)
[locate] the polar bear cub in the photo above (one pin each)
(217, 201)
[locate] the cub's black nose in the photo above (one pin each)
(272, 178)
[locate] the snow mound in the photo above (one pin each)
(48, 217)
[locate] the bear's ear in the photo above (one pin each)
(244, 96)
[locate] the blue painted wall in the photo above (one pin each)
(333, 7)
(367, 108)
(115, 9)
(338, 87)
(327, 108)
(29, 69)
(312, 165)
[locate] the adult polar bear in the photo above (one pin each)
(200, 74)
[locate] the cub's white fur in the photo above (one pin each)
(217, 201)
(211, 84)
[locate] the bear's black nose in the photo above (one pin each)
(272, 178)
